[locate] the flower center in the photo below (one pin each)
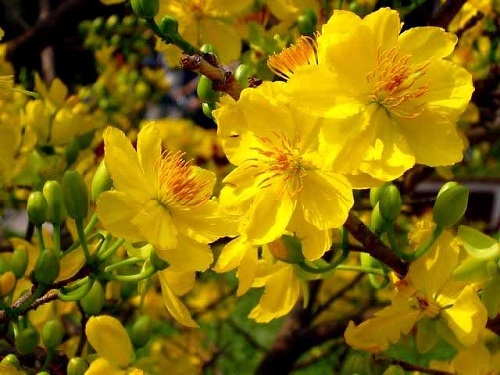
(428, 307)
(179, 185)
(283, 161)
(394, 82)
(303, 52)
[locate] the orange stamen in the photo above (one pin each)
(303, 52)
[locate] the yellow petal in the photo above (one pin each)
(189, 255)
(467, 317)
(149, 152)
(269, 215)
(116, 212)
(232, 254)
(174, 306)
(223, 37)
(280, 295)
(123, 165)
(385, 328)
(102, 367)
(326, 199)
(247, 270)
(315, 242)
(423, 43)
(179, 282)
(386, 25)
(156, 226)
(110, 340)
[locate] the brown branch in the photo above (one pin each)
(223, 80)
(374, 245)
(470, 23)
(446, 12)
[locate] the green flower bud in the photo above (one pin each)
(101, 182)
(75, 194)
(77, 366)
(288, 249)
(112, 23)
(446, 186)
(93, 302)
(207, 109)
(158, 263)
(394, 370)
(97, 25)
(53, 193)
(242, 73)
(10, 359)
(375, 194)
(37, 208)
(390, 203)
(141, 331)
(27, 340)
(52, 333)
(377, 221)
(450, 205)
(169, 26)
(145, 8)
(205, 91)
(18, 262)
(43, 373)
(4, 265)
(472, 270)
(46, 267)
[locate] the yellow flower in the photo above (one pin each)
(429, 298)
(280, 181)
(205, 21)
(112, 343)
(394, 97)
(161, 199)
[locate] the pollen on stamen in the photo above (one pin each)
(179, 186)
(394, 83)
(303, 52)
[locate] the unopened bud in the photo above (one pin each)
(375, 194)
(53, 193)
(77, 366)
(205, 91)
(7, 283)
(52, 333)
(145, 8)
(450, 205)
(10, 359)
(377, 221)
(75, 194)
(169, 26)
(141, 331)
(37, 208)
(27, 340)
(390, 203)
(242, 73)
(93, 302)
(46, 267)
(18, 262)
(101, 182)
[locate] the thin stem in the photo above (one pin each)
(174, 39)
(122, 263)
(391, 236)
(91, 224)
(132, 278)
(375, 271)
(40, 289)
(111, 250)
(39, 236)
(83, 240)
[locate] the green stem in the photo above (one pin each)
(39, 236)
(111, 250)
(26, 92)
(391, 236)
(91, 224)
(122, 263)
(428, 244)
(132, 278)
(174, 39)
(83, 240)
